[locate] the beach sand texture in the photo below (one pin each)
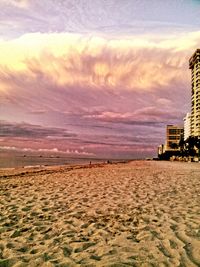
(134, 214)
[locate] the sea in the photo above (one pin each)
(14, 160)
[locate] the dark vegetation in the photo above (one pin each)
(189, 148)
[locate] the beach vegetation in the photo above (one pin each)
(187, 150)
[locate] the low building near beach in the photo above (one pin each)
(174, 133)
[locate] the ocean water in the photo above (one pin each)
(13, 160)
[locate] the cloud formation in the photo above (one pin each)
(93, 94)
(67, 61)
(26, 130)
(46, 150)
(95, 16)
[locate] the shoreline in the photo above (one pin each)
(19, 161)
(86, 165)
(31, 170)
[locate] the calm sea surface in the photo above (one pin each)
(12, 161)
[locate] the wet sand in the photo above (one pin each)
(134, 214)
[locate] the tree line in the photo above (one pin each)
(184, 149)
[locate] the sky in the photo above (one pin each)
(96, 78)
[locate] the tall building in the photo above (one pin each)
(174, 134)
(187, 126)
(194, 65)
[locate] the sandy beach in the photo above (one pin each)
(142, 213)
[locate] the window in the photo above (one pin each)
(173, 137)
(172, 131)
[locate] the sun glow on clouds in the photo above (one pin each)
(72, 59)
(105, 90)
(16, 3)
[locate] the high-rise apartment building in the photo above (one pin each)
(174, 134)
(187, 126)
(194, 65)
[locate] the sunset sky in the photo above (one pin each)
(98, 78)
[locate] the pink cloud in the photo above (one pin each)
(98, 92)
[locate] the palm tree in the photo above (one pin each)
(182, 146)
(174, 146)
(190, 144)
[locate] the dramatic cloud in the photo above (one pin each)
(31, 131)
(33, 138)
(94, 76)
(98, 89)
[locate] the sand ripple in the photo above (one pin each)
(136, 214)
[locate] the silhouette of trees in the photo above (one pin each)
(190, 147)
(186, 148)
(174, 146)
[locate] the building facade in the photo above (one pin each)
(187, 126)
(174, 134)
(194, 65)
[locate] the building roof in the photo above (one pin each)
(193, 58)
(174, 126)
